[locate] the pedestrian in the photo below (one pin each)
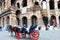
(32, 28)
(24, 31)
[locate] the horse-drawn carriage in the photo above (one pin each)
(21, 32)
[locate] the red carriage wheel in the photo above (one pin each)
(34, 35)
(17, 35)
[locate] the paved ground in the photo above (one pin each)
(50, 35)
(44, 35)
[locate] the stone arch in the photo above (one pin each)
(51, 4)
(36, 3)
(17, 17)
(18, 5)
(18, 21)
(7, 20)
(24, 21)
(45, 20)
(53, 20)
(24, 3)
(18, 12)
(13, 2)
(34, 20)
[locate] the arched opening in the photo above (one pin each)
(34, 20)
(24, 3)
(36, 3)
(44, 0)
(24, 21)
(58, 4)
(17, 17)
(18, 21)
(18, 5)
(45, 20)
(13, 2)
(51, 4)
(18, 12)
(53, 21)
(7, 20)
(3, 22)
(59, 20)
(3, 3)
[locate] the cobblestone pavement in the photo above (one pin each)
(50, 35)
(44, 35)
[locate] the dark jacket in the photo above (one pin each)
(32, 28)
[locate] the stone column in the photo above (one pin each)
(29, 3)
(15, 22)
(13, 19)
(56, 11)
(28, 22)
(5, 22)
(40, 3)
(39, 21)
(48, 11)
(1, 21)
(6, 4)
(10, 19)
(3, 7)
(21, 22)
(0, 10)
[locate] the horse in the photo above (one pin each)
(12, 29)
(16, 29)
(21, 30)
